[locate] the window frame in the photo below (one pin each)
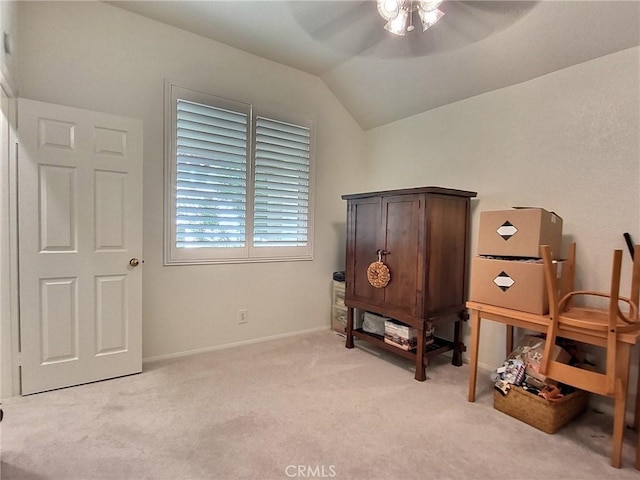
(249, 253)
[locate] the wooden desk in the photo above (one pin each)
(540, 323)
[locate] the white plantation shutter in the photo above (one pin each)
(281, 196)
(211, 187)
(229, 202)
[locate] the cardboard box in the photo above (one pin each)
(400, 335)
(515, 284)
(374, 323)
(519, 232)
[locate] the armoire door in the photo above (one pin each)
(402, 230)
(80, 245)
(364, 217)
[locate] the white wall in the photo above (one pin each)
(96, 56)
(568, 141)
(8, 28)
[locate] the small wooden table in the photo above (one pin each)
(540, 323)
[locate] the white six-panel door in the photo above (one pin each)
(79, 235)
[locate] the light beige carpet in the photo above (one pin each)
(300, 407)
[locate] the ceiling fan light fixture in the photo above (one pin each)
(388, 9)
(399, 14)
(429, 5)
(398, 25)
(429, 18)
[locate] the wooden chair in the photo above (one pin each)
(596, 326)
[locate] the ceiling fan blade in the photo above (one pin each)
(355, 28)
(348, 26)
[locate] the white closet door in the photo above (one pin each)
(80, 239)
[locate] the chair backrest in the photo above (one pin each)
(569, 285)
(635, 276)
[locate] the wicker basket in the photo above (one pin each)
(538, 412)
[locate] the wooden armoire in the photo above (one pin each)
(421, 235)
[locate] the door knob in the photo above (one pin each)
(134, 262)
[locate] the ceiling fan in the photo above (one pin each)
(358, 28)
(399, 14)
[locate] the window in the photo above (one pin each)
(239, 184)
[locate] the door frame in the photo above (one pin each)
(9, 311)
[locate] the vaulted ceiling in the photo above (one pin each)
(478, 46)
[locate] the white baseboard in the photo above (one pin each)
(188, 353)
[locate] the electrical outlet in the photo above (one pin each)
(243, 316)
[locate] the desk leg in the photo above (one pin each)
(636, 419)
(473, 360)
(349, 332)
(622, 381)
(509, 340)
(636, 415)
(458, 346)
(421, 375)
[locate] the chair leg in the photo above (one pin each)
(638, 454)
(636, 415)
(618, 423)
(636, 419)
